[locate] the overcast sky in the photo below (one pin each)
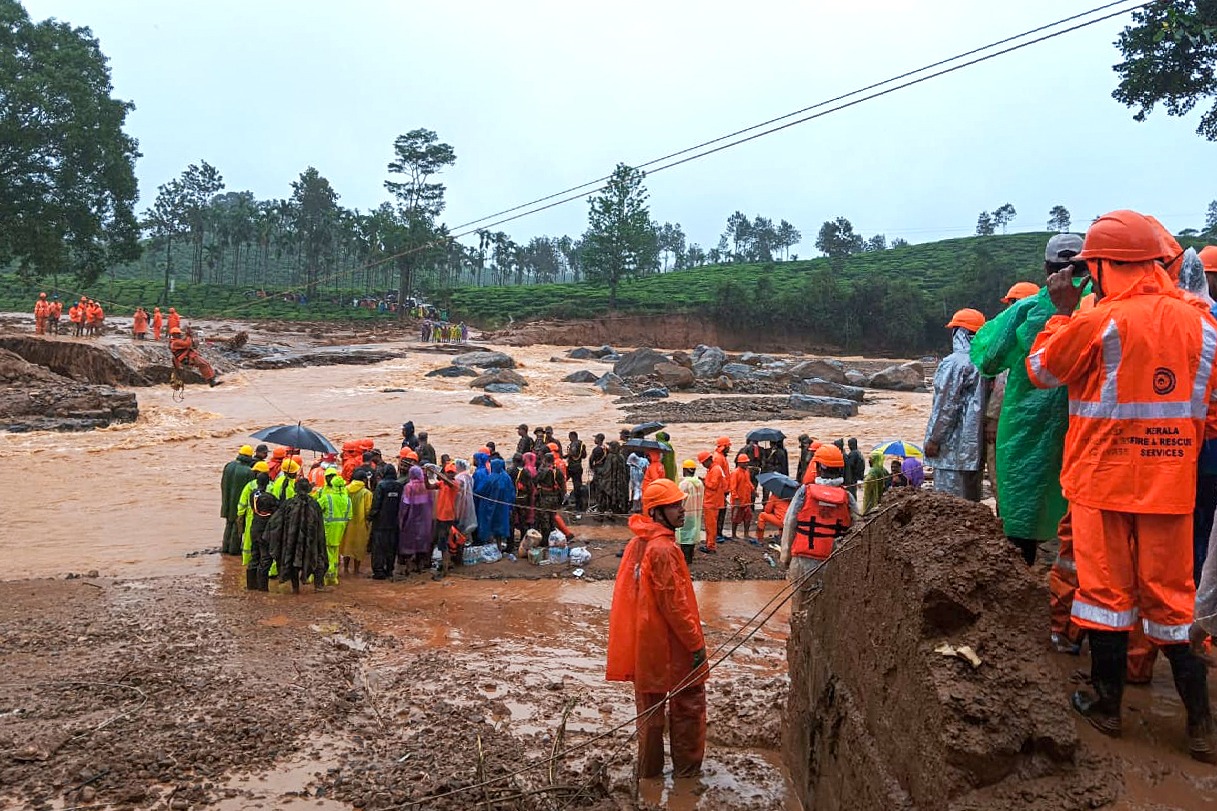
(538, 96)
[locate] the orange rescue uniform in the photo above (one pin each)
(714, 502)
(184, 354)
(1139, 367)
(774, 515)
(654, 630)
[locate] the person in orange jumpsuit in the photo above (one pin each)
(53, 315)
(182, 346)
(275, 463)
(654, 471)
(77, 316)
(742, 492)
(157, 323)
(714, 503)
(774, 515)
(1140, 368)
(352, 456)
(655, 638)
(139, 324)
(42, 309)
(175, 320)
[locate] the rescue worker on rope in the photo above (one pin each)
(655, 636)
(954, 434)
(185, 353)
(820, 513)
(1139, 367)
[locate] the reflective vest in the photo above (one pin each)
(822, 519)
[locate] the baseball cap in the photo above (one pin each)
(1062, 248)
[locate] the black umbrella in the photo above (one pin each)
(779, 484)
(647, 444)
(764, 435)
(646, 428)
(296, 436)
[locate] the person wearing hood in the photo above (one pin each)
(655, 637)
(776, 459)
(714, 502)
(495, 495)
(576, 454)
(409, 439)
(855, 468)
(295, 536)
(255, 554)
(139, 324)
(445, 515)
(695, 496)
(805, 454)
(466, 507)
(874, 484)
(426, 453)
(550, 488)
(336, 515)
(819, 514)
(1031, 425)
(743, 493)
(1140, 368)
(185, 351)
(954, 435)
(234, 477)
(416, 522)
(175, 320)
(614, 483)
(284, 485)
(523, 515)
(913, 472)
(386, 503)
(245, 514)
(668, 457)
(158, 324)
(358, 530)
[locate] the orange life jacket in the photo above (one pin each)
(822, 519)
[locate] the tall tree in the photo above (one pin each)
(738, 234)
(837, 240)
(418, 157)
(199, 184)
(788, 237)
(621, 240)
(1003, 215)
(1058, 219)
(876, 243)
(315, 206)
(67, 169)
(984, 225)
(672, 244)
(1210, 220)
(1170, 57)
(899, 242)
(165, 220)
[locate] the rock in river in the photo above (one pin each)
(822, 388)
(485, 400)
(452, 371)
(903, 377)
(581, 376)
(503, 388)
(485, 360)
(708, 361)
(823, 406)
(500, 377)
(639, 363)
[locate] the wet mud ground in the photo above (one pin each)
(157, 682)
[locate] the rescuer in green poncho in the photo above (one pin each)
(336, 513)
(1032, 425)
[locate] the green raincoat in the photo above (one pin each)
(1031, 429)
(875, 482)
(336, 513)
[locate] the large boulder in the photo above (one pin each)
(681, 358)
(610, 383)
(824, 368)
(581, 353)
(498, 377)
(902, 377)
(485, 360)
(485, 400)
(856, 378)
(581, 376)
(674, 376)
(452, 371)
(503, 388)
(639, 363)
(738, 371)
(708, 361)
(823, 406)
(604, 352)
(657, 393)
(822, 388)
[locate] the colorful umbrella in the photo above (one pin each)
(898, 447)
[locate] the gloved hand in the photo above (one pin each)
(699, 658)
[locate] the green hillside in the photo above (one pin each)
(894, 300)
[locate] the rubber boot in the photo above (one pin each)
(251, 579)
(1192, 682)
(1108, 656)
(263, 581)
(294, 576)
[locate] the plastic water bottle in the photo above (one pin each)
(437, 558)
(769, 559)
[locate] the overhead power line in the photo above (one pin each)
(817, 105)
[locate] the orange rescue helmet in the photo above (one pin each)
(723, 442)
(279, 453)
(408, 453)
(969, 319)
(1019, 291)
(1208, 257)
(661, 493)
(743, 457)
(703, 456)
(829, 456)
(1123, 236)
(175, 331)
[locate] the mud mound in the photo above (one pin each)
(878, 719)
(733, 409)
(35, 399)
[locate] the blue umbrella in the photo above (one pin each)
(898, 447)
(779, 484)
(296, 436)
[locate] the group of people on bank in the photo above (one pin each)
(1092, 401)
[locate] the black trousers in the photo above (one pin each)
(384, 552)
(576, 481)
(234, 532)
(687, 549)
(1202, 520)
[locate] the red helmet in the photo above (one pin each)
(1123, 236)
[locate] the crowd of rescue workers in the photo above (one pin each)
(1090, 405)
